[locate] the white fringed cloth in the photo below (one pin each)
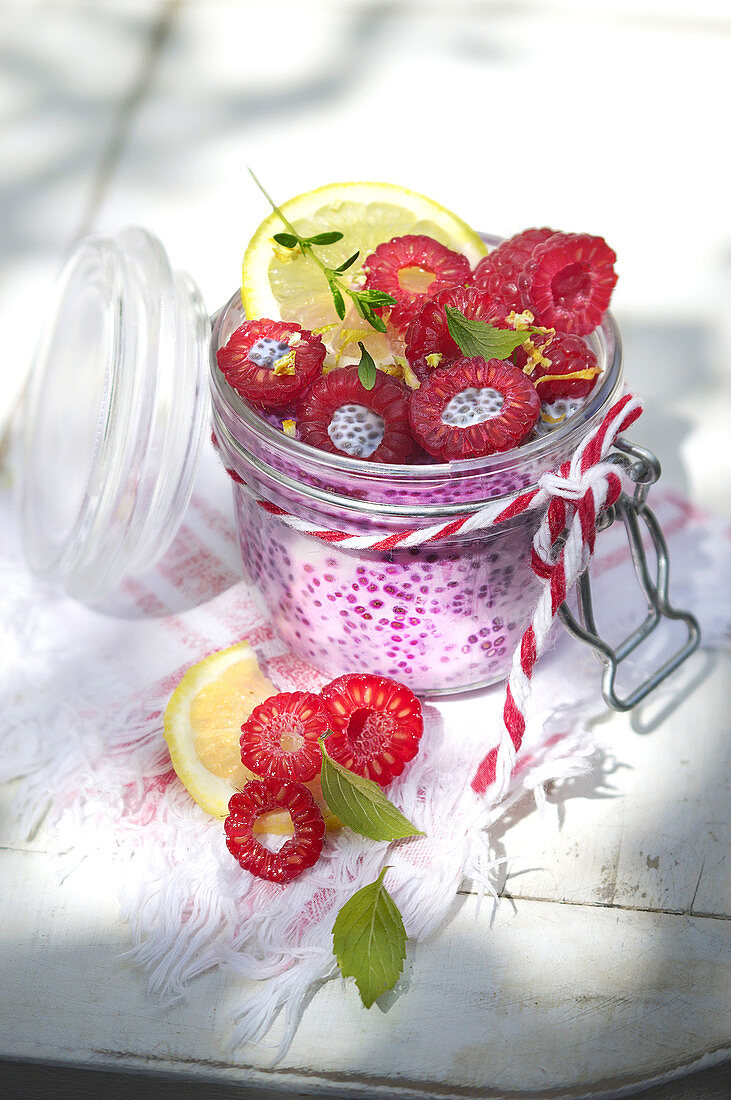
(82, 695)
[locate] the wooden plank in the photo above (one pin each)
(649, 829)
(536, 995)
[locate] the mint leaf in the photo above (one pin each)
(366, 369)
(475, 337)
(361, 804)
(324, 238)
(369, 940)
(286, 239)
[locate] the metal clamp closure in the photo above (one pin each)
(643, 469)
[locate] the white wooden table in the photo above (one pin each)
(605, 964)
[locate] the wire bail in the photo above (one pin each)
(643, 469)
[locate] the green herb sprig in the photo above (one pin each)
(365, 299)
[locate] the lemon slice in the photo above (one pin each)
(282, 284)
(202, 728)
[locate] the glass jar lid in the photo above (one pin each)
(114, 415)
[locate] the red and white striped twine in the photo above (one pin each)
(573, 497)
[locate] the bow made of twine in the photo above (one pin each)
(572, 497)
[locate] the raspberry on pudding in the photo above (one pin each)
(413, 269)
(271, 363)
(473, 408)
(564, 279)
(567, 368)
(568, 281)
(338, 414)
(429, 343)
(498, 272)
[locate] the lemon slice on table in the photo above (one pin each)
(202, 728)
(282, 284)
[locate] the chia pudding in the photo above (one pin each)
(439, 618)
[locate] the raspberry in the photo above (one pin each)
(568, 281)
(498, 272)
(339, 415)
(428, 334)
(271, 363)
(279, 738)
(413, 269)
(262, 796)
(567, 354)
(376, 723)
(472, 408)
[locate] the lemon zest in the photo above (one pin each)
(346, 337)
(434, 358)
(552, 419)
(285, 365)
(352, 335)
(520, 321)
(535, 350)
(588, 374)
(535, 356)
(401, 370)
(283, 255)
(410, 378)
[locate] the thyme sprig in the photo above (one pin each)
(365, 299)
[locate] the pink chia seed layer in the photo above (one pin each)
(437, 618)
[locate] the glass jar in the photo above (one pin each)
(441, 618)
